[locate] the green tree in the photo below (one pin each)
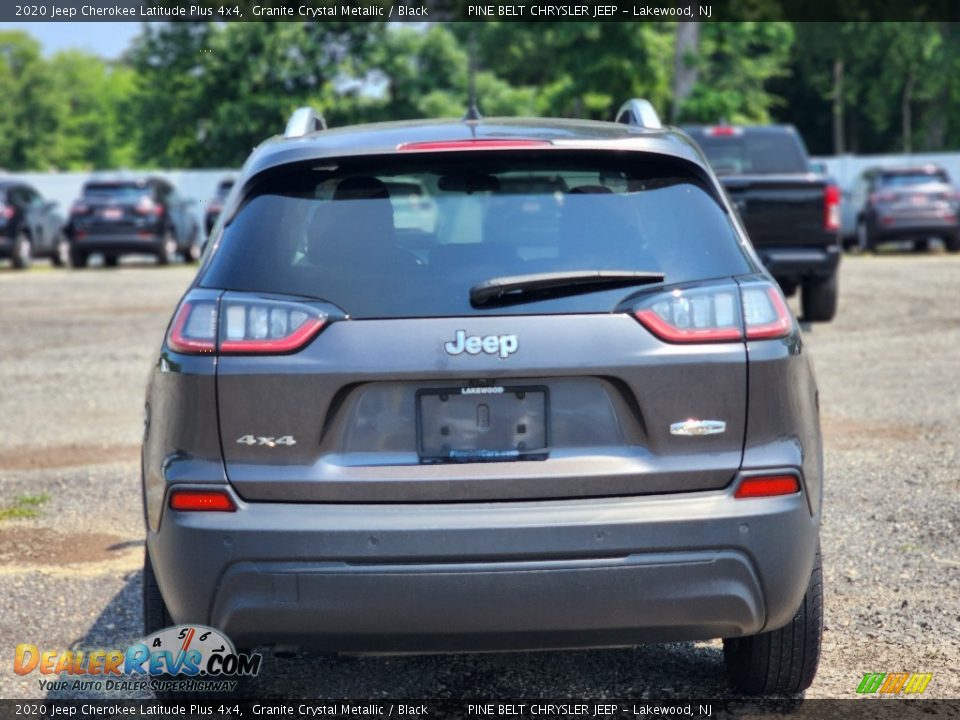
(28, 113)
(578, 69)
(736, 62)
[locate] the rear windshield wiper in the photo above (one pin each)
(527, 288)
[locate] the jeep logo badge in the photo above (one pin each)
(502, 345)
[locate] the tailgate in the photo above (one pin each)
(780, 210)
(377, 411)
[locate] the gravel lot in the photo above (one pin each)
(74, 355)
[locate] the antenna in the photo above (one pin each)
(473, 112)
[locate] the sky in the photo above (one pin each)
(107, 39)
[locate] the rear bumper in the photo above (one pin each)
(902, 227)
(794, 264)
(96, 240)
(488, 576)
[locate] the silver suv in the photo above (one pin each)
(555, 402)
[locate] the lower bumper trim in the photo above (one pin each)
(491, 606)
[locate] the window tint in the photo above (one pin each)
(412, 237)
(907, 179)
(121, 192)
(753, 153)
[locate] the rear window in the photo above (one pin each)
(115, 191)
(223, 189)
(743, 152)
(908, 179)
(409, 237)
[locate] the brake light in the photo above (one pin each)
(724, 131)
(474, 144)
(831, 208)
(146, 206)
(243, 326)
(202, 501)
(6, 211)
(695, 315)
(267, 326)
(765, 312)
(717, 313)
(194, 328)
(754, 487)
(78, 208)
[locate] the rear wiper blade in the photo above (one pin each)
(527, 288)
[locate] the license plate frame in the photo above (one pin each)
(462, 443)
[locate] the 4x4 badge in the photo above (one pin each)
(502, 345)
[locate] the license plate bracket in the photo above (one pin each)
(484, 423)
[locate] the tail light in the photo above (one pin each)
(473, 144)
(202, 501)
(146, 206)
(6, 211)
(831, 208)
(717, 313)
(767, 486)
(239, 325)
(79, 208)
(724, 131)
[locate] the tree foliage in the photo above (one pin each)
(203, 94)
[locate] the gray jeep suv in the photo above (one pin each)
(557, 402)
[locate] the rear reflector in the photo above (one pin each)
(475, 144)
(201, 501)
(753, 487)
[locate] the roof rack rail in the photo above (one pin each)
(639, 113)
(304, 121)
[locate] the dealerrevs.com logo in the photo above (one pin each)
(190, 658)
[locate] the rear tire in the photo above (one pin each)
(167, 252)
(952, 242)
(78, 258)
(22, 252)
(156, 617)
(865, 242)
(818, 301)
(61, 252)
(784, 661)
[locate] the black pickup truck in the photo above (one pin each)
(791, 213)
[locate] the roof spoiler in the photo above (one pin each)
(305, 120)
(639, 113)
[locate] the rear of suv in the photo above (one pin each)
(906, 203)
(557, 402)
(133, 216)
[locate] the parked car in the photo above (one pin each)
(582, 415)
(906, 203)
(791, 213)
(216, 204)
(30, 227)
(126, 216)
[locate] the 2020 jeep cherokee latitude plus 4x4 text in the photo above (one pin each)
(556, 402)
